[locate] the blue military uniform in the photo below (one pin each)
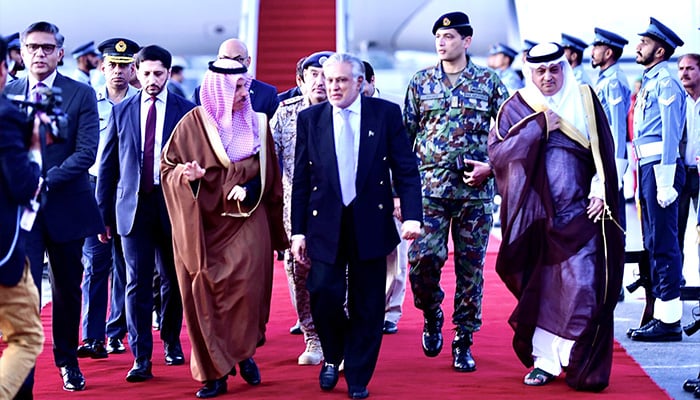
(613, 92)
(659, 118)
(102, 258)
(508, 76)
(448, 122)
(83, 50)
(577, 45)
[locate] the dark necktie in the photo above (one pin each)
(36, 91)
(148, 149)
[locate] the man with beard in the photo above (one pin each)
(614, 94)
(659, 118)
(131, 201)
(86, 59)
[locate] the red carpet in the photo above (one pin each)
(402, 372)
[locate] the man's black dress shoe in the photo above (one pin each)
(249, 371)
(691, 385)
(212, 389)
(657, 331)
(432, 332)
(141, 371)
(92, 348)
(390, 328)
(328, 377)
(115, 346)
(73, 379)
(173, 354)
(356, 392)
(462, 359)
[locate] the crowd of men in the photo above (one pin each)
(359, 194)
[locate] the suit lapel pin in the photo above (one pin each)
(371, 133)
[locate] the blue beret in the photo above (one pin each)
(662, 33)
(528, 44)
(573, 42)
(87, 48)
(119, 50)
(502, 48)
(609, 39)
(316, 59)
(13, 41)
(457, 20)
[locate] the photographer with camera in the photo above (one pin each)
(68, 212)
(20, 163)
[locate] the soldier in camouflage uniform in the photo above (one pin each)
(284, 134)
(448, 110)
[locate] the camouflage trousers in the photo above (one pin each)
(470, 224)
(296, 277)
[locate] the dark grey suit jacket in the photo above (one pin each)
(67, 202)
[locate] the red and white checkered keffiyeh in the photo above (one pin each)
(238, 129)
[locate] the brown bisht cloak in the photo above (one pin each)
(223, 251)
(564, 269)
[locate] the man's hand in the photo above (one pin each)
(106, 236)
(410, 230)
(237, 193)
(193, 171)
(397, 208)
(299, 250)
(595, 209)
(39, 119)
(477, 173)
(552, 120)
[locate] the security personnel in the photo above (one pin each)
(614, 94)
(87, 59)
(102, 258)
(447, 113)
(284, 133)
(659, 117)
(14, 56)
(689, 75)
(573, 50)
(502, 56)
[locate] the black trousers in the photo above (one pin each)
(354, 336)
(66, 275)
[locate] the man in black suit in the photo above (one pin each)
(263, 97)
(131, 200)
(342, 207)
(20, 163)
(68, 212)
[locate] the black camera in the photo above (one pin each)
(48, 101)
(462, 166)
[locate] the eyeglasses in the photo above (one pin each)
(46, 48)
(239, 58)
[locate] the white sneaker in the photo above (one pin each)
(313, 355)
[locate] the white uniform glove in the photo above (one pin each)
(621, 167)
(665, 175)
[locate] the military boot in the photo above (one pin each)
(461, 352)
(432, 332)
